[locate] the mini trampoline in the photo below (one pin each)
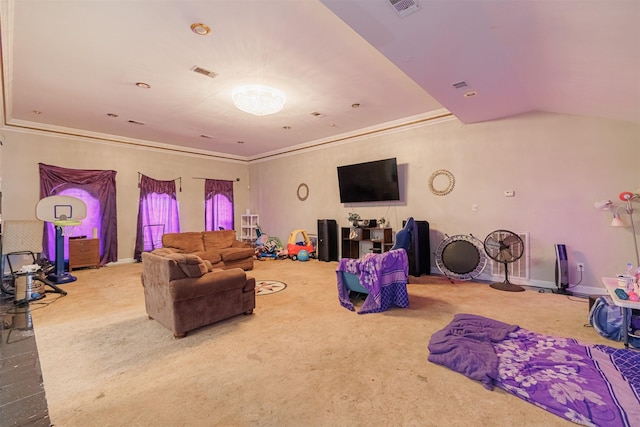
(461, 257)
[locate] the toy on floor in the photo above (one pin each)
(294, 247)
(268, 247)
(303, 255)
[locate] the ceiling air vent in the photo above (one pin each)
(405, 7)
(204, 72)
(460, 85)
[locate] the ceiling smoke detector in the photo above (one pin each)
(404, 7)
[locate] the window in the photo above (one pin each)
(218, 207)
(160, 215)
(97, 188)
(157, 214)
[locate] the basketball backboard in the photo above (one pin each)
(61, 210)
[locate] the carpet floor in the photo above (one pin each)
(300, 359)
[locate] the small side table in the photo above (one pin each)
(611, 283)
(84, 253)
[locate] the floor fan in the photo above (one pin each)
(61, 211)
(505, 247)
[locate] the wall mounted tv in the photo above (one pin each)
(375, 181)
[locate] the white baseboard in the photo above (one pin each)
(578, 290)
(122, 261)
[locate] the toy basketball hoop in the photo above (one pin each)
(61, 211)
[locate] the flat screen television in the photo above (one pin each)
(375, 181)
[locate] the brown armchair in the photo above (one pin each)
(182, 292)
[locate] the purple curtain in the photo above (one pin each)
(100, 184)
(157, 213)
(218, 210)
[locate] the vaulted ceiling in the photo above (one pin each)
(346, 67)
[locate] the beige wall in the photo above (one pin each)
(558, 166)
(23, 151)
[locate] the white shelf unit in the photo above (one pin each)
(248, 226)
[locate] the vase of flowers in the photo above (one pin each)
(381, 222)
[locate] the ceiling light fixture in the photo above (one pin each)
(143, 85)
(258, 100)
(200, 29)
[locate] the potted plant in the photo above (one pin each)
(354, 219)
(381, 222)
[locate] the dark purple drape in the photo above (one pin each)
(218, 197)
(157, 213)
(101, 183)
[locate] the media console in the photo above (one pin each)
(358, 241)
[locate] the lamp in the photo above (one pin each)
(616, 221)
(258, 100)
(627, 198)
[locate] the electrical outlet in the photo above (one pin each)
(580, 266)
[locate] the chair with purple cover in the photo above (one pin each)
(382, 277)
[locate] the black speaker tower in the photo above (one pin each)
(419, 252)
(327, 240)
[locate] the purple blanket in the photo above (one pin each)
(587, 384)
(466, 346)
(384, 276)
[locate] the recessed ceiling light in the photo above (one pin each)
(356, 105)
(143, 85)
(205, 136)
(133, 122)
(470, 94)
(286, 127)
(112, 115)
(332, 125)
(200, 29)
(36, 112)
(240, 142)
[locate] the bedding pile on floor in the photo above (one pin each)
(586, 384)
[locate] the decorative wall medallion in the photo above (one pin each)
(444, 190)
(303, 192)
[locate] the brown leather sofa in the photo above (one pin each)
(220, 247)
(182, 292)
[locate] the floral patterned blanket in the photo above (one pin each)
(593, 385)
(384, 276)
